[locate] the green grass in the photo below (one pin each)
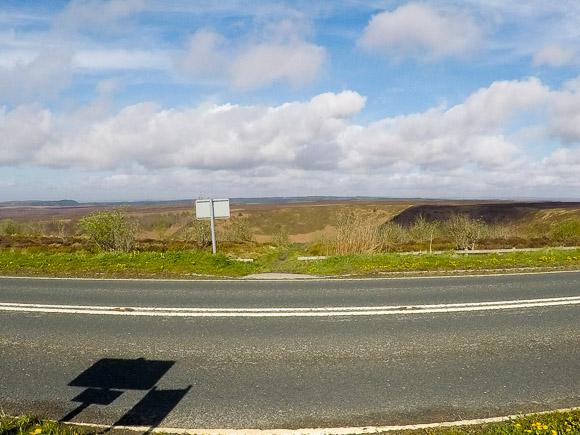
(552, 423)
(182, 264)
(373, 264)
(192, 264)
(34, 426)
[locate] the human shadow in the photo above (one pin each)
(107, 379)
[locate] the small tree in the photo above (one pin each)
(425, 231)
(9, 227)
(355, 234)
(239, 231)
(200, 233)
(464, 230)
(281, 236)
(61, 229)
(111, 230)
(392, 233)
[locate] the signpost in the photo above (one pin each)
(212, 209)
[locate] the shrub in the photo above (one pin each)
(200, 233)
(9, 227)
(464, 230)
(356, 235)
(316, 249)
(239, 231)
(392, 233)
(281, 237)
(61, 229)
(111, 230)
(424, 231)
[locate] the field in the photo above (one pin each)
(360, 236)
(305, 222)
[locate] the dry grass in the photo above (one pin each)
(373, 226)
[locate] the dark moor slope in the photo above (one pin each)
(490, 213)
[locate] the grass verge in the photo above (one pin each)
(183, 264)
(377, 264)
(35, 426)
(196, 264)
(552, 423)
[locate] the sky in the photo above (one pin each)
(132, 100)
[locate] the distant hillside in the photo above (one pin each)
(61, 203)
(260, 200)
(291, 199)
(491, 213)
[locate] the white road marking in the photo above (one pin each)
(289, 312)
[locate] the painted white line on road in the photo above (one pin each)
(291, 311)
(320, 431)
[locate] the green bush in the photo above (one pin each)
(393, 234)
(200, 233)
(464, 230)
(281, 237)
(111, 230)
(9, 227)
(239, 231)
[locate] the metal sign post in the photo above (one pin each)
(212, 209)
(212, 220)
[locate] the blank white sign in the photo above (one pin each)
(221, 209)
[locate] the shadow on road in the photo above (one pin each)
(107, 379)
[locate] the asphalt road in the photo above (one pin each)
(296, 371)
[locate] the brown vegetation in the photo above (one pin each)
(329, 227)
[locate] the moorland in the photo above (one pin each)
(370, 235)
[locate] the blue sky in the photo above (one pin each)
(126, 100)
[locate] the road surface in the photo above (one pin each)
(242, 354)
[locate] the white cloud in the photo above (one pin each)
(33, 77)
(491, 108)
(99, 59)
(475, 145)
(566, 161)
(284, 56)
(205, 56)
(297, 63)
(556, 56)
(420, 30)
(565, 116)
(440, 140)
(23, 131)
(209, 137)
(96, 15)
